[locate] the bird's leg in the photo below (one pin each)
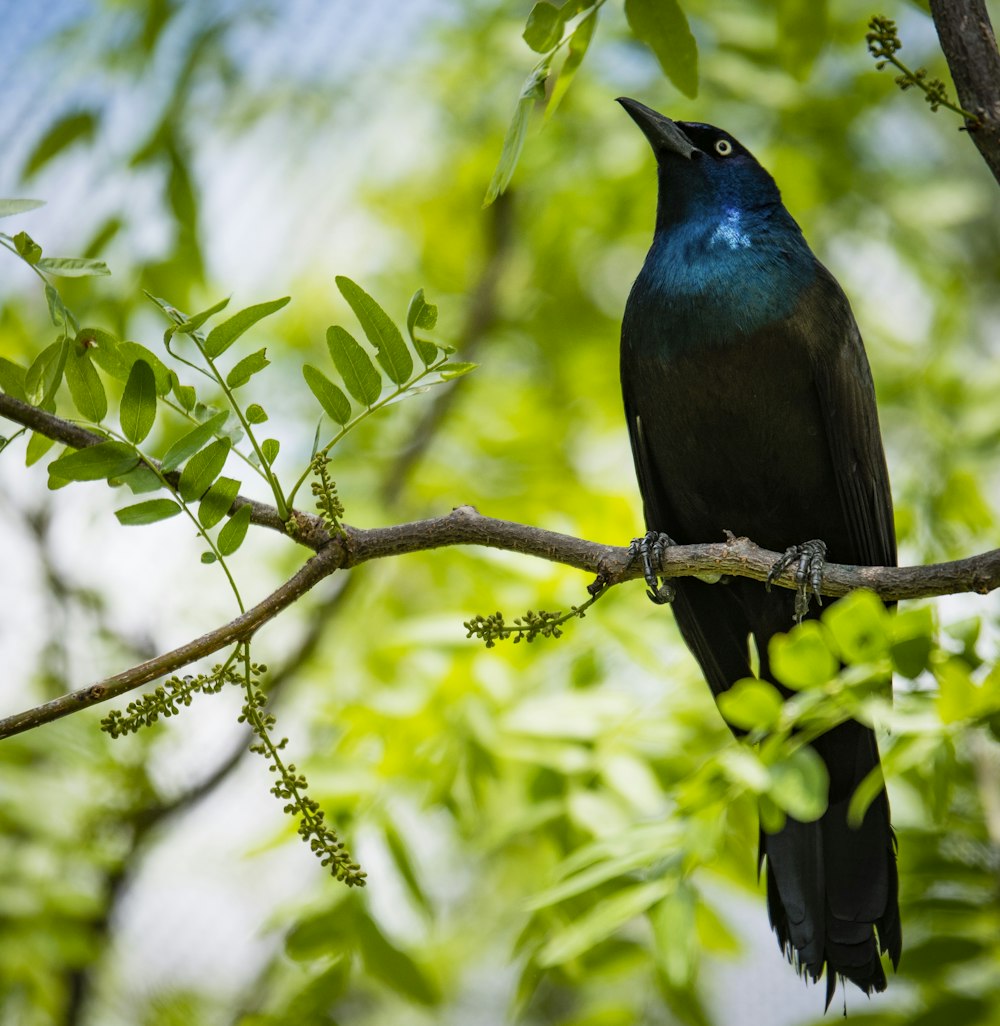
(650, 549)
(810, 557)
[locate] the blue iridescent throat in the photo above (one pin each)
(734, 269)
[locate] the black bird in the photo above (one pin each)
(751, 409)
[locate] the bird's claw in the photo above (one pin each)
(650, 549)
(811, 558)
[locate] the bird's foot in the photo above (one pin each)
(810, 558)
(650, 549)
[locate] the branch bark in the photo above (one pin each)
(970, 47)
(611, 564)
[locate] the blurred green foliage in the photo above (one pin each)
(554, 833)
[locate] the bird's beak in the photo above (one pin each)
(662, 133)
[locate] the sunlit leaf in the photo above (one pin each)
(380, 329)
(662, 25)
(579, 42)
(352, 362)
(73, 267)
(27, 248)
(85, 385)
(10, 207)
(751, 704)
(12, 378)
(532, 91)
(202, 469)
(217, 501)
(188, 444)
(269, 449)
(42, 379)
(243, 371)
(70, 128)
(223, 335)
(149, 512)
(234, 531)
(603, 919)
(802, 658)
(859, 626)
(544, 27)
(336, 405)
(95, 463)
(138, 407)
(799, 784)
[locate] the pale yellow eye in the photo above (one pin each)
(723, 147)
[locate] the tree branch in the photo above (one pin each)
(967, 40)
(737, 557)
(311, 531)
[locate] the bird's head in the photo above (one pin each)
(704, 172)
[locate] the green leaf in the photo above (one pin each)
(117, 358)
(513, 142)
(12, 379)
(195, 321)
(662, 26)
(58, 314)
(95, 463)
(673, 922)
(63, 133)
(247, 368)
(234, 531)
(185, 394)
(148, 512)
(378, 326)
(41, 381)
(336, 405)
(579, 42)
(393, 966)
(421, 314)
(223, 335)
(751, 704)
(256, 414)
(859, 626)
(597, 924)
(864, 794)
(38, 446)
(912, 633)
(187, 445)
(85, 385)
(10, 207)
(202, 470)
(544, 28)
(73, 267)
(27, 248)
(799, 784)
(269, 448)
(802, 658)
(352, 362)
(217, 501)
(451, 371)
(138, 406)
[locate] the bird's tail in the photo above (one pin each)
(831, 887)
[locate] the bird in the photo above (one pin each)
(751, 409)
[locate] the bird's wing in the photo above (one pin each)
(711, 621)
(848, 411)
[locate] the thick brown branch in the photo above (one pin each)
(737, 557)
(966, 36)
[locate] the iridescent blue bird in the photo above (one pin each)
(751, 409)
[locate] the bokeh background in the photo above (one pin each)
(257, 149)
